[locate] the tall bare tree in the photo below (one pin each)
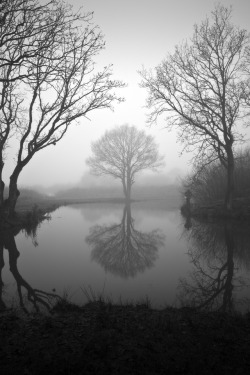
(122, 153)
(201, 88)
(20, 34)
(48, 78)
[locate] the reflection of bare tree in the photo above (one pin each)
(123, 250)
(216, 250)
(35, 296)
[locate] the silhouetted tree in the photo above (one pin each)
(208, 183)
(24, 33)
(122, 153)
(202, 89)
(48, 78)
(123, 250)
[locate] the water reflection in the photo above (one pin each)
(38, 298)
(217, 252)
(188, 223)
(121, 249)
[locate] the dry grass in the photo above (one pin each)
(102, 338)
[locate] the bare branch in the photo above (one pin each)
(202, 88)
(48, 78)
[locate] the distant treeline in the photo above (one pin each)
(208, 184)
(169, 193)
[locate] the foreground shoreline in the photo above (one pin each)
(103, 338)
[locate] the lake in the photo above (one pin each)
(128, 254)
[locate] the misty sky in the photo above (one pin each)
(137, 33)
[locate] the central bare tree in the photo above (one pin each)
(48, 78)
(122, 153)
(201, 88)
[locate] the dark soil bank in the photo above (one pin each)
(102, 338)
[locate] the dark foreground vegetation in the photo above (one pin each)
(102, 338)
(207, 186)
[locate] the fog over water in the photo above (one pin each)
(128, 254)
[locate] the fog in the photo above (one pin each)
(146, 186)
(136, 34)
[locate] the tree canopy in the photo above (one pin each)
(48, 78)
(123, 152)
(202, 89)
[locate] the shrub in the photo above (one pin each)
(208, 184)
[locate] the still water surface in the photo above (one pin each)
(128, 254)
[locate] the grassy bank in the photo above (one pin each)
(29, 214)
(32, 208)
(102, 338)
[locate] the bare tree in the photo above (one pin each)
(27, 29)
(122, 153)
(16, 46)
(49, 78)
(201, 88)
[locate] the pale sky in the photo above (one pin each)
(137, 32)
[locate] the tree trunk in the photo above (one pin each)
(230, 181)
(1, 193)
(14, 193)
(124, 187)
(1, 185)
(128, 196)
(126, 183)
